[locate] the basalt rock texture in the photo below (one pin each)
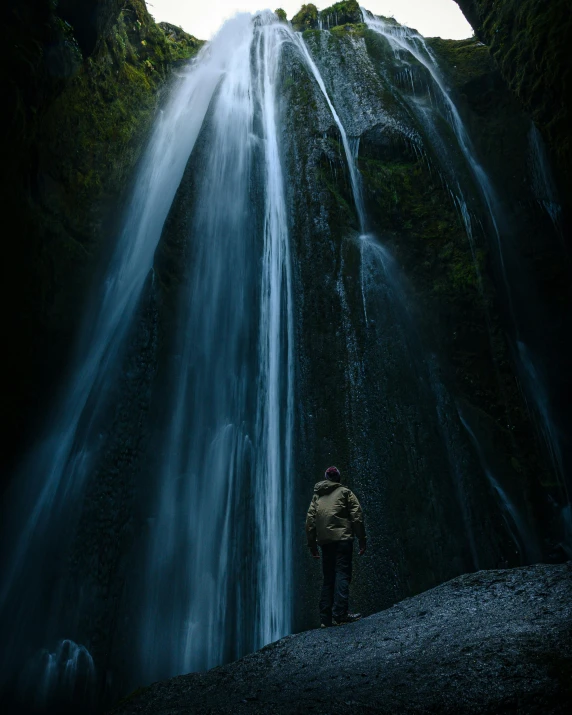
(490, 642)
(530, 42)
(82, 81)
(361, 379)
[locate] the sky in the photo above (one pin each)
(202, 18)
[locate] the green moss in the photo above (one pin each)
(341, 13)
(96, 126)
(352, 30)
(281, 14)
(403, 199)
(76, 138)
(462, 60)
(530, 42)
(306, 18)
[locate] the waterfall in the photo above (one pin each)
(524, 539)
(354, 175)
(219, 565)
(243, 192)
(49, 490)
(403, 40)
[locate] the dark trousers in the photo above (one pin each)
(337, 570)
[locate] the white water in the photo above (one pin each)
(51, 485)
(274, 469)
(404, 40)
(218, 575)
(354, 175)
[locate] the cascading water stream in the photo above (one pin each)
(217, 576)
(402, 39)
(522, 536)
(354, 176)
(374, 257)
(542, 181)
(49, 490)
(274, 426)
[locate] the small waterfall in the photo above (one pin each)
(219, 565)
(402, 39)
(405, 41)
(65, 677)
(521, 534)
(533, 379)
(543, 184)
(354, 175)
(378, 267)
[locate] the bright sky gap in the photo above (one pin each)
(433, 18)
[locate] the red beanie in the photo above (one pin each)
(332, 473)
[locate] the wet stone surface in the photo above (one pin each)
(489, 642)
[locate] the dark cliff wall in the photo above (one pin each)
(372, 386)
(530, 42)
(82, 82)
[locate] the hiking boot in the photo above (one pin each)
(348, 618)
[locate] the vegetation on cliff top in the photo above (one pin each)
(341, 13)
(306, 18)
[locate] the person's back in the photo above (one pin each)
(334, 519)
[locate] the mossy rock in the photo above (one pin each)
(306, 18)
(281, 14)
(79, 125)
(349, 29)
(530, 42)
(462, 60)
(341, 13)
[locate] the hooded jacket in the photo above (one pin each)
(334, 515)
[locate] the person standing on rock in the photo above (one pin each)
(334, 519)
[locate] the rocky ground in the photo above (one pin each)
(489, 642)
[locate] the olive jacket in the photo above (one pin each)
(334, 515)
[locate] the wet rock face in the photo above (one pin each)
(84, 98)
(388, 352)
(306, 18)
(530, 41)
(486, 643)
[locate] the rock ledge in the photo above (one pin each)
(489, 642)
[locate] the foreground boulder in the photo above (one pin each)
(489, 642)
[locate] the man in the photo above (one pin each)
(334, 518)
